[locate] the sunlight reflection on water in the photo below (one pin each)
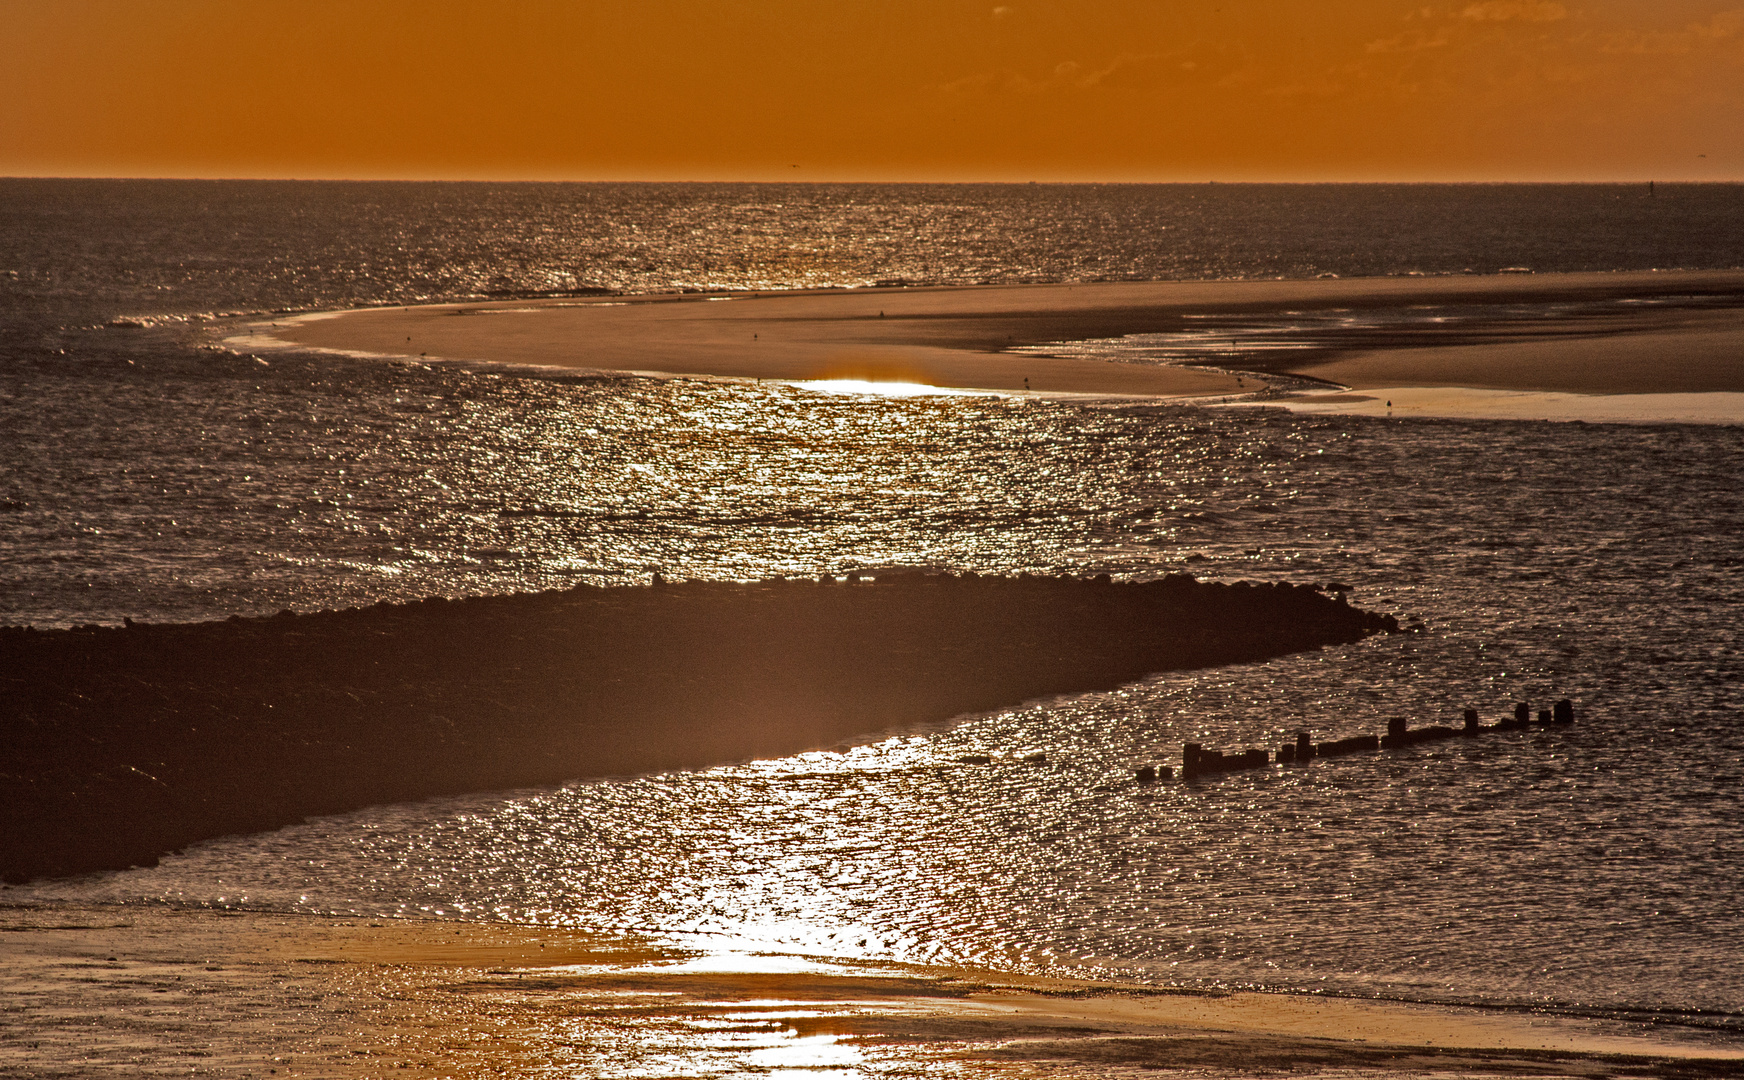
(888, 389)
(1573, 866)
(1547, 560)
(1594, 866)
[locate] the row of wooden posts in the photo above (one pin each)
(1197, 761)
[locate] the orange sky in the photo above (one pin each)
(875, 89)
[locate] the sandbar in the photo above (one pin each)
(129, 742)
(1593, 334)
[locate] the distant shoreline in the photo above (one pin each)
(1602, 334)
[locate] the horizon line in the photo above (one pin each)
(796, 181)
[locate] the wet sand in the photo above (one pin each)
(1487, 404)
(142, 991)
(1674, 351)
(963, 337)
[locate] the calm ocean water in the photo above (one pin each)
(148, 471)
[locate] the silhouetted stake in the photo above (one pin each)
(1564, 711)
(1304, 747)
(1544, 717)
(1522, 714)
(1147, 775)
(1287, 754)
(1471, 722)
(1396, 735)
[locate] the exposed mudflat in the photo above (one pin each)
(123, 744)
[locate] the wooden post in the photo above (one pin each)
(1304, 747)
(1471, 721)
(1564, 711)
(1522, 714)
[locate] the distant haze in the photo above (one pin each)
(876, 89)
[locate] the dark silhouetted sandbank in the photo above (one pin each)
(122, 744)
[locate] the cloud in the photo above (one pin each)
(1126, 72)
(1539, 11)
(1717, 31)
(1445, 34)
(1414, 41)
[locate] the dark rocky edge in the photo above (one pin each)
(122, 744)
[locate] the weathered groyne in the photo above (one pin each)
(1198, 762)
(121, 744)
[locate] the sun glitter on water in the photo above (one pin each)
(888, 389)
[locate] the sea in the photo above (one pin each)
(153, 468)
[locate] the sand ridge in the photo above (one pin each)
(1600, 333)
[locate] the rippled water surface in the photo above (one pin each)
(150, 474)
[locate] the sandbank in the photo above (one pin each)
(145, 990)
(1479, 403)
(142, 739)
(1610, 334)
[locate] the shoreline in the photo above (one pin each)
(311, 995)
(1576, 341)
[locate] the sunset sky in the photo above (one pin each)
(875, 89)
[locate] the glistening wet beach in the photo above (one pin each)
(156, 992)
